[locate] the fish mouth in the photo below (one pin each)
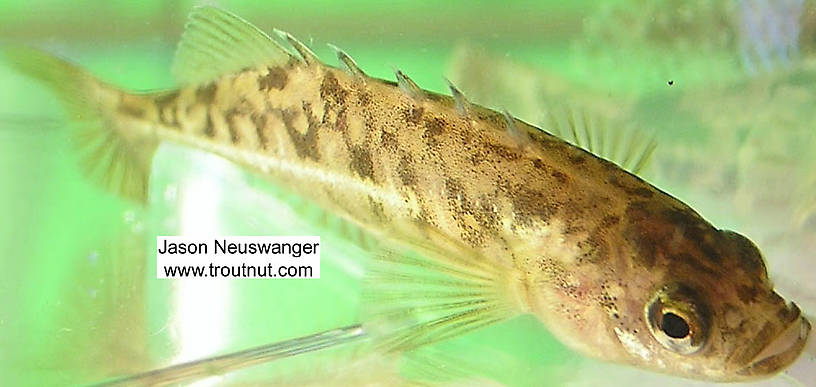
(781, 351)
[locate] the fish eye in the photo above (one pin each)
(677, 319)
(674, 326)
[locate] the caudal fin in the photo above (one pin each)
(113, 154)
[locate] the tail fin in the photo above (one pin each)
(113, 154)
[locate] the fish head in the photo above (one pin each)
(702, 303)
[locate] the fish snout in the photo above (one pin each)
(782, 350)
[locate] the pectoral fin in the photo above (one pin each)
(415, 294)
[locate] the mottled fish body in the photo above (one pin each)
(509, 218)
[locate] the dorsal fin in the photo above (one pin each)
(408, 86)
(308, 56)
(628, 147)
(348, 62)
(216, 42)
(462, 104)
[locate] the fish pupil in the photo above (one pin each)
(674, 326)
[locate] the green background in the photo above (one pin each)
(79, 301)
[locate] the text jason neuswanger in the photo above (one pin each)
(225, 247)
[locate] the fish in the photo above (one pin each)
(481, 216)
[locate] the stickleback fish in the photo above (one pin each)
(506, 218)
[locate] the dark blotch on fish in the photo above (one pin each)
(167, 99)
(166, 106)
(609, 221)
(642, 192)
(530, 204)
(577, 160)
(132, 110)
(305, 144)
(559, 176)
(369, 123)
(275, 79)
(209, 126)
(206, 94)
(486, 216)
(433, 127)
(747, 293)
(493, 118)
(259, 121)
(646, 238)
(230, 118)
(685, 263)
(639, 191)
(704, 238)
(361, 162)
(388, 141)
(364, 98)
(503, 152)
(594, 249)
(331, 91)
(413, 114)
(406, 170)
(573, 209)
(653, 234)
(748, 254)
(342, 121)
